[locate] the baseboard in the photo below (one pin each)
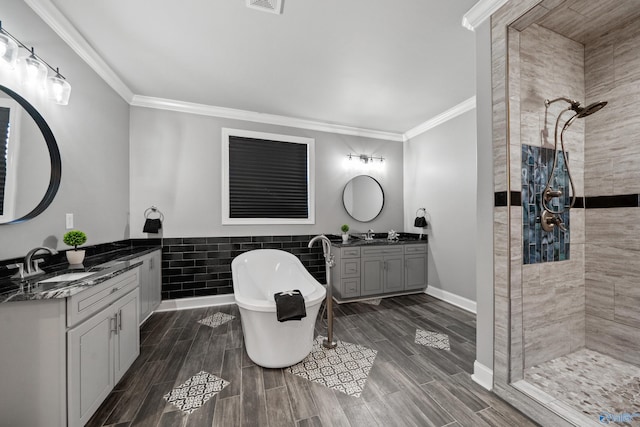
(197, 302)
(482, 375)
(457, 300)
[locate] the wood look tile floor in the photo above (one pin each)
(409, 384)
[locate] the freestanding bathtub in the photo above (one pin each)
(257, 276)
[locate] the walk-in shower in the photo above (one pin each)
(550, 217)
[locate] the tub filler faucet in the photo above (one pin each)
(329, 262)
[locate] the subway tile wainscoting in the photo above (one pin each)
(201, 266)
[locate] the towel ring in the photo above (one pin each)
(424, 213)
(153, 210)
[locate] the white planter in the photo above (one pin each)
(345, 237)
(75, 257)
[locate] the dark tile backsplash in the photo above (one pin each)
(201, 266)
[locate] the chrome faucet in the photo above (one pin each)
(329, 262)
(32, 266)
(369, 235)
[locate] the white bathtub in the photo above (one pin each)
(259, 274)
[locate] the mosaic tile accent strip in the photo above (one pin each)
(539, 245)
(195, 392)
(374, 301)
(344, 368)
(216, 319)
(590, 381)
(432, 339)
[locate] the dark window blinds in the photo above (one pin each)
(267, 179)
(4, 146)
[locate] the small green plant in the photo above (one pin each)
(344, 228)
(75, 238)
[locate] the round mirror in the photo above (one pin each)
(363, 198)
(30, 165)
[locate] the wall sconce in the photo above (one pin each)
(33, 69)
(364, 158)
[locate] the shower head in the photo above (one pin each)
(588, 110)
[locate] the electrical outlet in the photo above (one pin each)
(69, 221)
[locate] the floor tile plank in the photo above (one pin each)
(278, 408)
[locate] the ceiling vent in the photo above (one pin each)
(273, 6)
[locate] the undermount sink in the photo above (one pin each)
(67, 277)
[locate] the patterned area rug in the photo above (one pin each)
(432, 339)
(195, 392)
(344, 368)
(217, 319)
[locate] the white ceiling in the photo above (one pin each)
(380, 65)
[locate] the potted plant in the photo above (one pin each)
(345, 233)
(75, 238)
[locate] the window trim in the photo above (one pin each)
(309, 142)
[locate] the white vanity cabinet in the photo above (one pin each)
(378, 270)
(60, 358)
(150, 283)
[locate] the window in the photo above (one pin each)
(267, 178)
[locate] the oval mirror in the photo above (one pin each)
(30, 166)
(363, 198)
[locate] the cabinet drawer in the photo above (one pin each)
(415, 249)
(350, 252)
(382, 250)
(350, 267)
(86, 303)
(351, 287)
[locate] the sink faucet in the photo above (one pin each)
(369, 235)
(32, 267)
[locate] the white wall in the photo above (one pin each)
(176, 166)
(440, 175)
(484, 229)
(93, 136)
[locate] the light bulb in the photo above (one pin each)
(34, 72)
(8, 50)
(59, 90)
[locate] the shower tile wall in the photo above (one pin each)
(612, 162)
(553, 293)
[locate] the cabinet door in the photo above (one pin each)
(89, 365)
(416, 271)
(393, 267)
(350, 287)
(145, 292)
(127, 337)
(155, 280)
(372, 276)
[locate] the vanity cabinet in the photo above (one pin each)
(62, 356)
(150, 283)
(378, 270)
(100, 350)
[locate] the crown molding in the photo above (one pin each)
(251, 116)
(67, 32)
(451, 113)
(480, 12)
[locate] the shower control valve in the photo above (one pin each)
(550, 194)
(549, 221)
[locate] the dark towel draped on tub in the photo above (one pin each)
(290, 305)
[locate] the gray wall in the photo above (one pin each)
(93, 137)
(440, 175)
(484, 228)
(612, 158)
(545, 65)
(176, 166)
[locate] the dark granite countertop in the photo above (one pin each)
(103, 267)
(378, 239)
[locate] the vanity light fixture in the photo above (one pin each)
(33, 69)
(364, 158)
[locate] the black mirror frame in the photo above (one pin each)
(54, 156)
(381, 190)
